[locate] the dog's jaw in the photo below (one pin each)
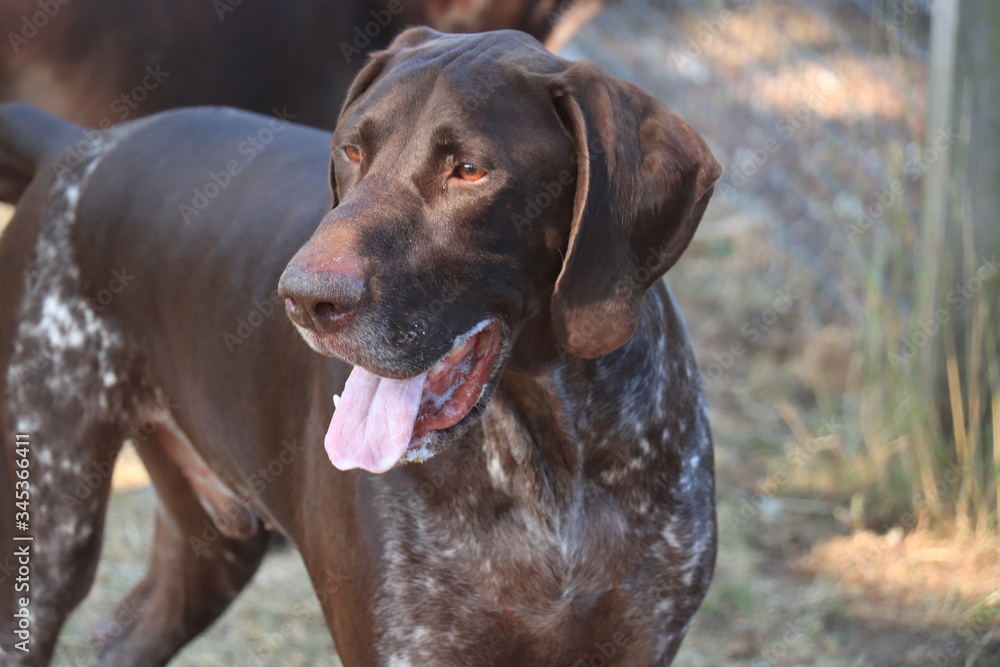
(381, 422)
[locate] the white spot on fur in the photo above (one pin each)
(496, 471)
(670, 536)
(28, 423)
(56, 325)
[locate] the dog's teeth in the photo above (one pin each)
(336, 400)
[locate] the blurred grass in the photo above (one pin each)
(925, 451)
(929, 446)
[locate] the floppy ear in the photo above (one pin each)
(644, 180)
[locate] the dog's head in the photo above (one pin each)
(489, 198)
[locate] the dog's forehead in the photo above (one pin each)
(506, 50)
(468, 75)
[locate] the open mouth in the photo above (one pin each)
(379, 421)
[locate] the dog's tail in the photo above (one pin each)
(29, 139)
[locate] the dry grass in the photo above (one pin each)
(906, 568)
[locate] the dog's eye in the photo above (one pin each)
(353, 153)
(469, 172)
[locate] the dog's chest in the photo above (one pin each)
(512, 570)
(453, 586)
(581, 514)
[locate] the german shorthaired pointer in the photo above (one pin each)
(490, 266)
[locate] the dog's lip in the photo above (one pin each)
(341, 346)
(345, 348)
(456, 383)
(381, 421)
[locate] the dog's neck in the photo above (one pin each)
(570, 479)
(582, 429)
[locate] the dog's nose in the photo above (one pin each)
(322, 300)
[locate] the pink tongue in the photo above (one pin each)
(373, 423)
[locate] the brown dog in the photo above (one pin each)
(491, 265)
(100, 62)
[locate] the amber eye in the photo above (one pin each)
(353, 153)
(469, 172)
